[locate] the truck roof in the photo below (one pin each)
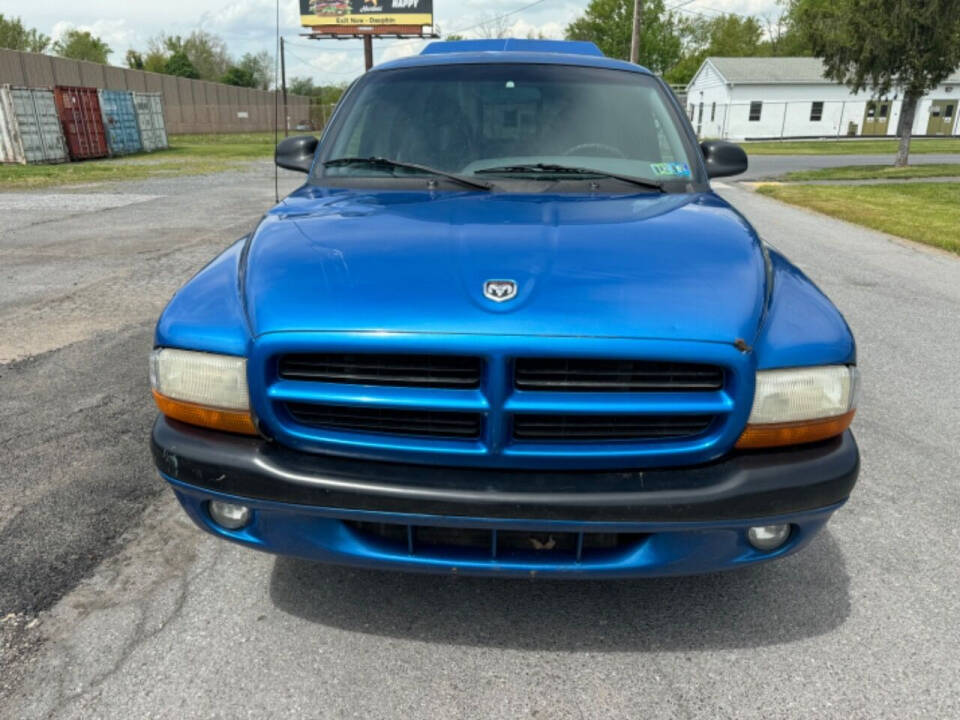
(512, 50)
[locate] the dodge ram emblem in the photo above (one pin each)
(500, 290)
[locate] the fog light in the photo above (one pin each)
(768, 537)
(228, 515)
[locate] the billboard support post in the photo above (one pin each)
(367, 52)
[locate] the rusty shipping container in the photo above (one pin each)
(79, 109)
(30, 129)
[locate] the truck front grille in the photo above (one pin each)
(602, 375)
(599, 428)
(518, 402)
(422, 423)
(437, 371)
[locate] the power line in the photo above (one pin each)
(681, 7)
(310, 64)
(479, 24)
(498, 17)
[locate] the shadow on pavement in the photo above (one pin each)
(798, 597)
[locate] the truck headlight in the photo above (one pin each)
(202, 389)
(801, 405)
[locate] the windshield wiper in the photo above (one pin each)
(388, 163)
(552, 169)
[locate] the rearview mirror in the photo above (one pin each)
(296, 153)
(723, 158)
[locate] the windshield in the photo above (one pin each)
(510, 120)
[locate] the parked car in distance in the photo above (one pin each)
(506, 327)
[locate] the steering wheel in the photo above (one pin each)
(609, 149)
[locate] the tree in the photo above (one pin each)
(179, 64)
(301, 86)
(14, 36)
(784, 39)
(155, 61)
(260, 68)
(206, 52)
(82, 45)
(134, 60)
(609, 24)
(454, 36)
(241, 77)
(723, 35)
(884, 44)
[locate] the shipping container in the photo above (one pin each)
(153, 130)
(30, 129)
(120, 122)
(79, 109)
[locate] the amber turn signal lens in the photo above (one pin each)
(795, 433)
(226, 420)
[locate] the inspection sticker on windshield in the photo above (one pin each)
(675, 169)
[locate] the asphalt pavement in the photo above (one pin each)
(119, 608)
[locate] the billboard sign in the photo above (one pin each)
(321, 14)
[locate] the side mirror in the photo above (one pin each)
(723, 158)
(296, 153)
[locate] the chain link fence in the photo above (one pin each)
(759, 120)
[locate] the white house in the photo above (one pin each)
(769, 97)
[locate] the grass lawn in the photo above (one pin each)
(875, 172)
(925, 212)
(851, 147)
(187, 155)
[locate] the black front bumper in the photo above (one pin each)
(739, 486)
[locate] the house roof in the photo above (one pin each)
(777, 70)
(741, 70)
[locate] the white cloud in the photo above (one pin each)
(402, 50)
(115, 33)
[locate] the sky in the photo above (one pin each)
(248, 25)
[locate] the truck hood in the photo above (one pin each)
(684, 267)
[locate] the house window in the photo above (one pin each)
(691, 111)
(816, 112)
(756, 108)
(948, 113)
(700, 117)
(884, 107)
(713, 112)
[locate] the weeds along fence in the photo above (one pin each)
(190, 106)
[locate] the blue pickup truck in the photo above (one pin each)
(507, 328)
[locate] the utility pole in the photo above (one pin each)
(283, 84)
(635, 38)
